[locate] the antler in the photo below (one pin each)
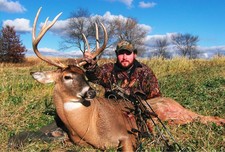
(36, 40)
(98, 50)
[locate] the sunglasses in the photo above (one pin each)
(124, 52)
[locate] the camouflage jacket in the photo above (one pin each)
(139, 79)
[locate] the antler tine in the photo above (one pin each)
(99, 50)
(36, 40)
(97, 37)
(86, 42)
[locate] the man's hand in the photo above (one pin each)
(91, 63)
(88, 57)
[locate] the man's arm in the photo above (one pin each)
(150, 83)
(153, 86)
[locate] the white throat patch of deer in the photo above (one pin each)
(72, 105)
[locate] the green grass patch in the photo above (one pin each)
(198, 85)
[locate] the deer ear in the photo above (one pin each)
(43, 77)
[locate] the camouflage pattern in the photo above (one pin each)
(139, 79)
(125, 45)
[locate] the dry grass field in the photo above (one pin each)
(198, 85)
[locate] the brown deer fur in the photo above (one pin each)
(97, 122)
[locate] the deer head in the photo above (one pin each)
(71, 77)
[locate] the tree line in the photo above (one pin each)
(126, 29)
(81, 21)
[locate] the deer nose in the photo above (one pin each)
(90, 94)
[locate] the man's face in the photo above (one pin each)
(126, 58)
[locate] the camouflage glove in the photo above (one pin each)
(91, 63)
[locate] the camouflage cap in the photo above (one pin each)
(125, 45)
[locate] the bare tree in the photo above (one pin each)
(129, 29)
(11, 49)
(219, 53)
(186, 44)
(79, 22)
(161, 45)
(118, 28)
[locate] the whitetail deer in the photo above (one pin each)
(97, 121)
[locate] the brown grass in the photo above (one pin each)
(26, 104)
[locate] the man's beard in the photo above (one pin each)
(124, 67)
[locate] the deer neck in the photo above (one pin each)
(72, 103)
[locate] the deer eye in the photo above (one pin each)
(67, 77)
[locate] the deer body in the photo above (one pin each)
(98, 122)
(171, 111)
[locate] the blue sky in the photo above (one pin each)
(203, 18)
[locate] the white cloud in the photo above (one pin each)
(11, 7)
(208, 52)
(59, 27)
(128, 3)
(146, 27)
(20, 25)
(48, 50)
(205, 55)
(150, 39)
(55, 53)
(109, 17)
(143, 4)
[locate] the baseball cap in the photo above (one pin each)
(125, 45)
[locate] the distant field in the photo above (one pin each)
(198, 85)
